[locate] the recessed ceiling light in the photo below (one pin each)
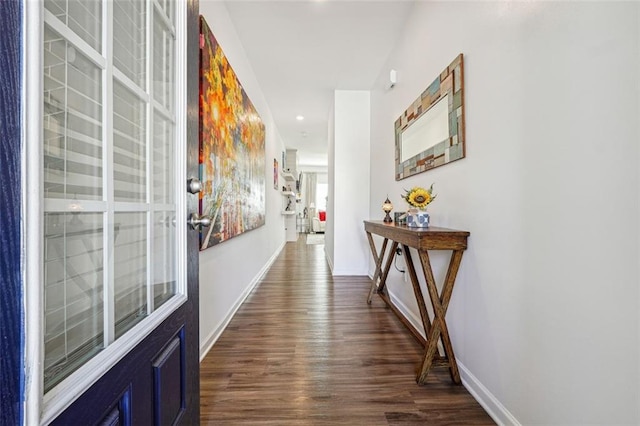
(299, 117)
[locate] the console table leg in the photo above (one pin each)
(452, 272)
(378, 259)
(387, 267)
(440, 305)
(422, 307)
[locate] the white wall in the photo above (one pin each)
(229, 271)
(350, 180)
(544, 316)
(329, 225)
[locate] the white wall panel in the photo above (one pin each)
(350, 181)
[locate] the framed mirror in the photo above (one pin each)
(430, 133)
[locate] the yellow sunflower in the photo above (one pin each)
(419, 197)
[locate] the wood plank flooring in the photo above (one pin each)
(306, 349)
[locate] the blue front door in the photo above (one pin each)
(11, 315)
(157, 380)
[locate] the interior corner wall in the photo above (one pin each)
(329, 225)
(228, 271)
(544, 315)
(351, 144)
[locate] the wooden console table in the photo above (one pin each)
(421, 239)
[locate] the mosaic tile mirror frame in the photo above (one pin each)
(430, 133)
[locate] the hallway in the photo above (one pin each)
(306, 349)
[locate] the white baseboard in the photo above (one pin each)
(329, 261)
(213, 337)
(486, 399)
(480, 393)
(346, 272)
(413, 318)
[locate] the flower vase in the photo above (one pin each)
(417, 218)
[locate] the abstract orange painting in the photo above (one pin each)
(232, 149)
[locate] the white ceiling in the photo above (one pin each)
(301, 51)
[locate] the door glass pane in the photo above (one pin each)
(163, 160)
(163, 75)
(73, 309)
(84, 191)
(129, 46)
(164, 244)
(129, 145)
(130, 280)
(72, 122)
(164, 267)
(83, 17)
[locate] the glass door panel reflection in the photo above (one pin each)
(163, 60)
(73, 292)
(164, 243)
(72, 122)
(129, 50)
(130, 269)
(164, 265)
(82, 17)
(163, 160)
(129, 146)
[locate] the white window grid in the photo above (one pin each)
(43, 407)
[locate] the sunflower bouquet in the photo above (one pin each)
(419, 197)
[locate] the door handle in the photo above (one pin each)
(198, 222)
(194, 186)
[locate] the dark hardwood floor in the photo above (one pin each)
(306, 349)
